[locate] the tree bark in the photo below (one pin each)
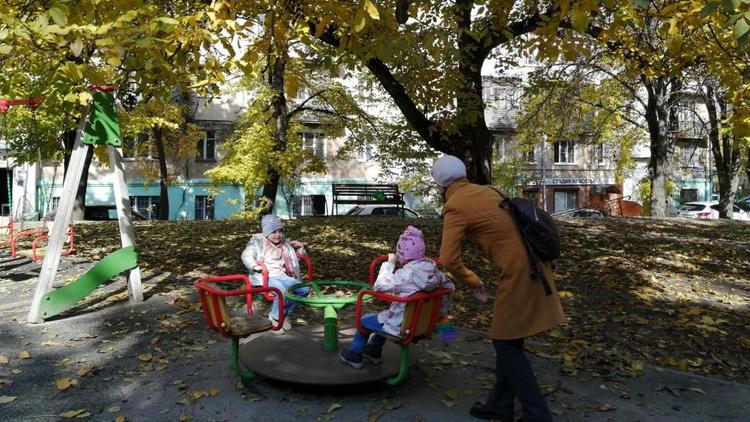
(662, 143)
(276, 70)
(725, 152)
(163, 174)
(79, 203)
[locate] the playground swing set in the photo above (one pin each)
(13, 231)
(98, 126)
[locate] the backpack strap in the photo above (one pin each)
(536, 272)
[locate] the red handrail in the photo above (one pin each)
(71, 242)
(30, 102)
(264, 273)
(24, 234)
(204, 284)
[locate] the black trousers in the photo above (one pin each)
(515, 378)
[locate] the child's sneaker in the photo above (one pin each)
(351, 358)
(373, 354)
(281, 330)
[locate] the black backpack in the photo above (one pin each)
(538, 231)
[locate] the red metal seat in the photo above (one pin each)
(213, 301)
(420, 317)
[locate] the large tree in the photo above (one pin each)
(431, 63)
(62, 48)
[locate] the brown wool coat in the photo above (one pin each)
(521, 308)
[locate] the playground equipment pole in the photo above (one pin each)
(62, 218)
(125, 220)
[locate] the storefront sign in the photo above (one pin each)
(577, 181)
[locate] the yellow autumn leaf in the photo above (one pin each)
(146, 357)
(213, 391)
(82, 372)
(371, 10)
(120, 419)
(72, 413)
(65, 383)
(451, 394)
(334, 407)
(24, 355)
(3, 360)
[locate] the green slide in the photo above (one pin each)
(64, 298)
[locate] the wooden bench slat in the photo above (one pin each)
(363, 194)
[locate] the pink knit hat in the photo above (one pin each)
(410, 245)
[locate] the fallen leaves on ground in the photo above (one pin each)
(636, 291)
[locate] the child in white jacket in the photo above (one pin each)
(416, 274)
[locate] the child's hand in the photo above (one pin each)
(258, 269)
(296, 244)
(392, 258)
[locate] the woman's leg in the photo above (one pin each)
(499, 404)
(520, 381)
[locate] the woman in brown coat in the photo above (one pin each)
(522, 309)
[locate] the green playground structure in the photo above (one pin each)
(64, 298)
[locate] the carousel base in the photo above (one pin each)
(298, 357)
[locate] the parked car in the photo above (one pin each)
(737, 213)
(709, 211)
(588, 212)
(383, 210)
(107, 212)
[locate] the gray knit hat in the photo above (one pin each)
(270, 223)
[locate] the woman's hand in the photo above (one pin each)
(392, 258)
(296, 244)
(480, 293)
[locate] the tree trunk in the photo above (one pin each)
(473, 142)
(280, 118)
(725, 152)
(662, 145)
(79, 203)
(163, 174)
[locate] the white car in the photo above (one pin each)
(383, 210)
(709, 211)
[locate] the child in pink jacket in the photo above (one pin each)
(416, 273)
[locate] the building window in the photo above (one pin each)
(315, 142)
(566, 200)
(136, 147)
(204, 207)
(599, 157)
(509, 102)
(207, 146)
(688, 195)
(364, 154)
(565, 152)
(501, 147)
(148, 206)
(529, 154)
(491, 92)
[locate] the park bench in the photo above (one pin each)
(213, 301)
(364, 194)
(420, 317)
